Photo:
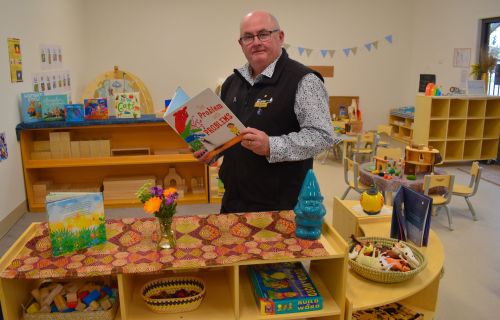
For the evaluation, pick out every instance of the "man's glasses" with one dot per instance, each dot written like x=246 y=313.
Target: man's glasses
x=263 y=36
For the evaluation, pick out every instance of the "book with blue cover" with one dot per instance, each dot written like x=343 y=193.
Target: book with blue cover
x=53 y=107
x=31 y=106
x=286 y=287
x=76 y=220
x=411 y=216
x=74 y=112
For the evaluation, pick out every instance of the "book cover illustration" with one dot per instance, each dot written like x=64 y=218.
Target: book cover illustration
x=31 y=106
x=73 y=112
x=96 y=109
x=204 y=121
x=411 y=216
x=53 y=107
x=127 y=105
x=284 y=288
x=76 y=221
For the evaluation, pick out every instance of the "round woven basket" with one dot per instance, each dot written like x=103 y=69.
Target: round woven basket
x=171 y=285
x=387 y=276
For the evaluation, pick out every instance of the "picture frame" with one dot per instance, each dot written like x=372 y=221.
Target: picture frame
x=476 y=88
x=461 y=57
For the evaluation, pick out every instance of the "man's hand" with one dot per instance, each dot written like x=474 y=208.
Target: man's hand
x=256 y=141
x=202 y=156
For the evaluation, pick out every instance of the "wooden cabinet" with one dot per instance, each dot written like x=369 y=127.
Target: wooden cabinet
x=151 y=134
x=229 y=292
x=461 y=128
x=419 y=293
x=402 y=126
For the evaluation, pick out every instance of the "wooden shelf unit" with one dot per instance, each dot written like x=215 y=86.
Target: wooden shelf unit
x=402 y=127
x=462 y=128
x=155 y=135
x=229 y=293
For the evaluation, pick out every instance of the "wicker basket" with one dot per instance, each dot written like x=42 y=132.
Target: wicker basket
x=87 y=315
x=387 y=276
x=171 y=285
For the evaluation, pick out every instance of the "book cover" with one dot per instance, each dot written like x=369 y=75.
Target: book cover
x=204 y=121
x=31 y=106
x=73 y=112
x=127 y=105
x=53 y=107
x=286 y=287
x=95 y=109
x=411 y=218
x=76 y=221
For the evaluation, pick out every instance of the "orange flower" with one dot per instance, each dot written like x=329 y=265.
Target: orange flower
x=169 y=191
x=152 y=205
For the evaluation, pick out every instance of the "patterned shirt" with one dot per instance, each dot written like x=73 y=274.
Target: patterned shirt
x=313 y=115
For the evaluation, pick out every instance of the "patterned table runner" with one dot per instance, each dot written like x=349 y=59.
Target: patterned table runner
x=203 y=240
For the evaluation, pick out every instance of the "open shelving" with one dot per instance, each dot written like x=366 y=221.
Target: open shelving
x=460 y=127
x=402 y=126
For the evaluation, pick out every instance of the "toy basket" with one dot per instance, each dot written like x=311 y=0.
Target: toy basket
x=387 y=276
x=170 y=286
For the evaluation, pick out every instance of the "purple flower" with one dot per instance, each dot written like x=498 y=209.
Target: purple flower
x=169 y=201
x=156 y=192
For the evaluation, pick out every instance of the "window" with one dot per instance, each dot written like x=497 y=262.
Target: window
x=490 y=45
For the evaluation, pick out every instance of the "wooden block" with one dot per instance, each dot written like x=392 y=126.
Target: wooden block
x=130 y=152
x=55 y=147
x=65 y=148
x=43 y=145
x=80 y=306
x=36 y=294
x=105 y=303
x=40 y=190
x=84 y=149
x=75 y=149
x=41 y=155
x=105 y=148
x=60 y=303
x=50 y=297
x=94 y=148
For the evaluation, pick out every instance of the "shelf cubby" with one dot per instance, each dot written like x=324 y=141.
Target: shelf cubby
x=454 y=150
x=491 y=128
x=474 y=129
x=472 y=149
x=476 y=109
x=493 y=108
x=439 y=145
x=458 y=108
x=438 y=129
x=456 y=129
x=489 y=149
x=440 y=108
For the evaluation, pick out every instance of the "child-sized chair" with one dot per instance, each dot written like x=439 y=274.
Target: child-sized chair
x=351 y=168
x=440 y=200
x=470 y=190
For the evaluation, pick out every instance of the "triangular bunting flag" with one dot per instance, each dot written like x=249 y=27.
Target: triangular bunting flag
x=368 y=46
x=331 y=52
x=375 y=44
x=346 y=51
x=354 y=50
x=286 y=46
x=323 y=52
x=308 y=52
x=301 y=50
x=388 y=38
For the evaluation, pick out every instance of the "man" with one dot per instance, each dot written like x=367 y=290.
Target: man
x=284 y=106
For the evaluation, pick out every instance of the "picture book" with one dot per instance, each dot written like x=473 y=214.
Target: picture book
x=31 y=106
x=53 y=107
x=127 y=105
x=73 y=112
x=204 y=121
x=76 y=221
x=284 y=288
x=96 y=109
x=411 y=216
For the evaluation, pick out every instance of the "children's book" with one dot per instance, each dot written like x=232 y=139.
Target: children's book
x=204 y=121
x=127 y=105
x=284 y=288
x=96 y=109
x=73 y=112
x=411 y=216
x=53 y=107
x=31 y=106
x=76 y=220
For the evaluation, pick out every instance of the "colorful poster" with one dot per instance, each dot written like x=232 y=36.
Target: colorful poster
x=15 y=60
x=4 y=154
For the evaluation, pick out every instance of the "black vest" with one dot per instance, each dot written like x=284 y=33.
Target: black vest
x=251 y=182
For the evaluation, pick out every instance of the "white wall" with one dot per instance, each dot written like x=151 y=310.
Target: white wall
x=34 y=22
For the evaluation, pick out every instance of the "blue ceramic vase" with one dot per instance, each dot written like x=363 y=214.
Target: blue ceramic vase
x=309 y=210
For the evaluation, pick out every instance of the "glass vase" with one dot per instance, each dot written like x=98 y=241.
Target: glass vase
x=166 y=239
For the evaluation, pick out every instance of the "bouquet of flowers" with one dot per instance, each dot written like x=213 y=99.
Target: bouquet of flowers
x=161 y=203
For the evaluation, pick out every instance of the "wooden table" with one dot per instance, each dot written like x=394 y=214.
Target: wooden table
x=419 y=293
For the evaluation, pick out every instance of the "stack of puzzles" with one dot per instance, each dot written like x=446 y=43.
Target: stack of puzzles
x=125 y=187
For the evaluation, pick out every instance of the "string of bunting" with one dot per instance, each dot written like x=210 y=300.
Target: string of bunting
x=331 y=52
